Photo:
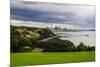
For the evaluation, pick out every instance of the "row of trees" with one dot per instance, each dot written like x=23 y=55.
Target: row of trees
x=54 y=45
x=57 y=45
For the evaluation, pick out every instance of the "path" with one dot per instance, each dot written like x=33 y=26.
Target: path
x=48 y=38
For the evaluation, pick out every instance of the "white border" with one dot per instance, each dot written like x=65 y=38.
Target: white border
x=90 y=2
x=5 y=33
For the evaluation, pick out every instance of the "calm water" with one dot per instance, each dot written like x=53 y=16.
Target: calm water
x=87 y=37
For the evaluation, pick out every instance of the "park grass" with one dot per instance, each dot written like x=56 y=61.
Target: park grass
x=40 y=58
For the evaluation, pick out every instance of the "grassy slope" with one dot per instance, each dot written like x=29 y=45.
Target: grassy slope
x=20 y=59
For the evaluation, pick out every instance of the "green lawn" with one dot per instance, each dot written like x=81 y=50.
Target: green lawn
x=22 y=59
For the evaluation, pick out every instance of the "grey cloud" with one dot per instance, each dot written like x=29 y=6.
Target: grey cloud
x=53 y=13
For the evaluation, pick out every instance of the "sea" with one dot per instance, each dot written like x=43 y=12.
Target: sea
x=87 y=37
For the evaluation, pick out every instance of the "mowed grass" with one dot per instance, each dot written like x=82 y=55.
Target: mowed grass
x=24 y=59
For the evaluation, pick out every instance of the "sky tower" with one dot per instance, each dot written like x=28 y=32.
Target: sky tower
x=51 y=26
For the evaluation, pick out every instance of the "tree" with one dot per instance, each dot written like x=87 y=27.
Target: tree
x=81 y=47
x=92 y=48
x=56 y=45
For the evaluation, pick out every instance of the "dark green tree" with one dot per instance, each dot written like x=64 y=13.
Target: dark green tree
x=81 y=47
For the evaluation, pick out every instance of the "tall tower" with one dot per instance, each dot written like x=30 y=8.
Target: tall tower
x=51 y=26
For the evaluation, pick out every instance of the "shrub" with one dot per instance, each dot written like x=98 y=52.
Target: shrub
x=56 y=45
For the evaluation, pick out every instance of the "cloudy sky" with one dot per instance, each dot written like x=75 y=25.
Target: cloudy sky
x=42 y=14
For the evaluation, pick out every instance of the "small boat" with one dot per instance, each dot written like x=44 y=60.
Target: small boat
x=86 y=35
